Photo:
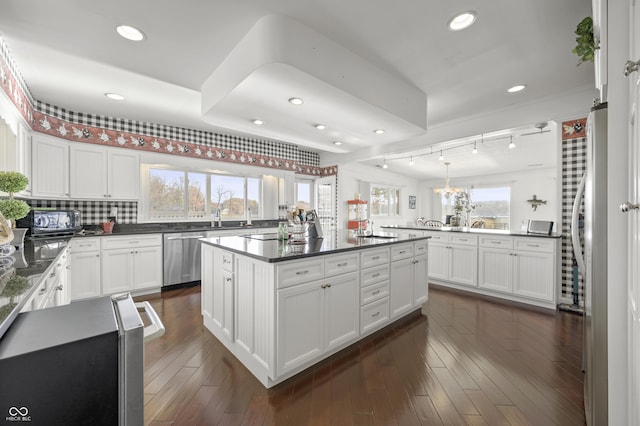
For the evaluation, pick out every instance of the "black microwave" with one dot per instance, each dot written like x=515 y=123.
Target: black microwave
x=43 y=222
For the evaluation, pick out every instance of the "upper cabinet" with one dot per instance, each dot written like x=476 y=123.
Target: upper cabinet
x=599 y=8
x=50 y=172
x=84 y=172
x=103 y=174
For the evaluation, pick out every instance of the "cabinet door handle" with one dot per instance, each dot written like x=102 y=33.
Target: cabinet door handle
x=227 y=279
x=134 y=242
x=376 y=314
x=533 y=245
x=462 y=239
x=377 y=274
x=97 y=255
x=375 y=258
x=402 y=252
x=420 y=248
x=342 y=264
x=42 y=291
x=375 y=292
x=59 y=288
x=306 y=271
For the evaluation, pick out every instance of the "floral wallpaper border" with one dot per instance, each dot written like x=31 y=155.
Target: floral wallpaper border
x=47 y=124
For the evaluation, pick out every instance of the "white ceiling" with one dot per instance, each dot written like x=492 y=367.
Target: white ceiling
x=69 y=55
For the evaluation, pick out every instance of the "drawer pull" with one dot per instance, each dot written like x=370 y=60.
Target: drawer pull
x=306 y=271
x=533 y=245
x=134 y=242
x=375 y=258
x=377 y=274
x=84 y=245
x=227 y=279
x=42 y=291
x=420 y=248
x=59 y=288
x=402 y=252
x=375 y=292
x=496 y=242
x=376 y=314
x=342 y=264
x=226 y=261
x=463 y=239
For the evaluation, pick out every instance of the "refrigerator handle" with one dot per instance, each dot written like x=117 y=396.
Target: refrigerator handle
x=575 y=227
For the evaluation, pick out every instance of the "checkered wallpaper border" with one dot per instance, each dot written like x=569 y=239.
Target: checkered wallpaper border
x=574 y=160
x=80 y=127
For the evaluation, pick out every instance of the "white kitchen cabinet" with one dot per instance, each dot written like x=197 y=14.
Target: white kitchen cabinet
x=217 y=298
x=84 y=268
x=50 y=167
x=317 y=317
x=51 y=286
x=103 y=174
x=453 y=258
x=518 y=266
x=15 y=151
x=131 y=263
x=409 y=278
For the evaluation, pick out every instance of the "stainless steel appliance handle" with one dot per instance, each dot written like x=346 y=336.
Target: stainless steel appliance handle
x=575 y=228
x=156 y=328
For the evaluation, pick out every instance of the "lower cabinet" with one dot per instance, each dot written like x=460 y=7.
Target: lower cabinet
x=409 y=277
x=316 y=317
x=52 y=287
x=84 y=268
x=131 y=263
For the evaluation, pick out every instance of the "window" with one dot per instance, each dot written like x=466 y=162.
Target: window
x=493 y=206
x=187 y=195
x=384 y=201
x=303 y=194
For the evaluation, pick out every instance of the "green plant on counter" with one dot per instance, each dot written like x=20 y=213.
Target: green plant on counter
x=5 y=310
x=586 y=45
x=15 y=286
x=12 y=182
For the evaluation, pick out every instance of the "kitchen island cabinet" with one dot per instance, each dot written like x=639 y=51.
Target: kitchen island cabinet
x=280 y=308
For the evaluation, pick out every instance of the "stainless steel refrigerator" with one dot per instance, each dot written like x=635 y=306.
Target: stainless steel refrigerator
x=592 y=263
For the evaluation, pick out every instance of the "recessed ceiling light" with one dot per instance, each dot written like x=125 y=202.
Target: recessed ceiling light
x=114 y=96
x=337 y=143
x=462 y=21
x=258 y=122
x=296 y=101
x=320 y=126
x=130 y=33
x=378 y=131
x=517 y=88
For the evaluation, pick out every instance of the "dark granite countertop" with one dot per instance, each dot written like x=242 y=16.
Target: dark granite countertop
x=472 y=231
x=30 y=263
x=272 y=250
x=162 y=228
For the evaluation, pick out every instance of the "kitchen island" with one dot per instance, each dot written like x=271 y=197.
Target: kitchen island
x=281 y=307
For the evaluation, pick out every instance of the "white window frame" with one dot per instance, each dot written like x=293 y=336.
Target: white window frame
x=397 y=213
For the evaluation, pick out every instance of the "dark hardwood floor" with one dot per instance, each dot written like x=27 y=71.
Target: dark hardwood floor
x=465 y=360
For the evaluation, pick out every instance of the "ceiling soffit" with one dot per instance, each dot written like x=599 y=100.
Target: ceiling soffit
x=280 y=58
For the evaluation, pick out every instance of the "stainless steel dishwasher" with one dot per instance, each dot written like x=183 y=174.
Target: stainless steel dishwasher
x=181 y=257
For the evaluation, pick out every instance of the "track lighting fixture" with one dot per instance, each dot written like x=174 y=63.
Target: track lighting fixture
x=441 y=158
x=511 y=144
x=411 y=161
x=475 y=148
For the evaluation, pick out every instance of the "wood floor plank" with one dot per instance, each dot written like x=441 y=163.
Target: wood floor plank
x=465 y=360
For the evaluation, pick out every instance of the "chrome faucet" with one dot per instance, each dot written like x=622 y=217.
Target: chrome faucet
x=219 y=221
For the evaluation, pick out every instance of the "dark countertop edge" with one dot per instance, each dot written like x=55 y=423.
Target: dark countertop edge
x=136 y=231
x=385 y=242
x=496 y=232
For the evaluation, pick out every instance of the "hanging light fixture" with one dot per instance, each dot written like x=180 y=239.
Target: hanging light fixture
x=411 y=161
x=511 y=144
x=384 y=163
x=441 y=158
x=447 y=190
x=475 y=148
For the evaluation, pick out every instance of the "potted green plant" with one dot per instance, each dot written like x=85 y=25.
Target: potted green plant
x=586 y=45
x=12 y=209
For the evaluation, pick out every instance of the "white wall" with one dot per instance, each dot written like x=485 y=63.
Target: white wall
x=541 y=182
x=353 y=178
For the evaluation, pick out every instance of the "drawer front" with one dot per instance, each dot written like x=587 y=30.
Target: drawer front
x=466 y=240
x=227 y=261
x=374 y=292
x=374 y=257
x=438 y=237
x=401 y=251
x=374 y=315
x=77 y=245
x=421 y=248
x=298 y=272
x=534 y=244
x=373 y=275
x=341 y=264
x=496 y=242
x=109 y=243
